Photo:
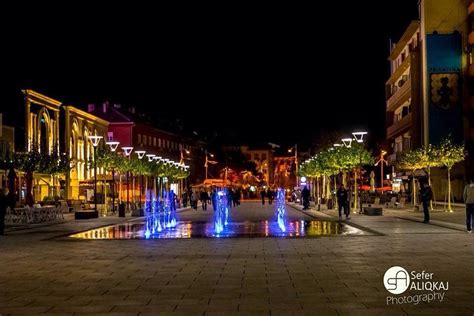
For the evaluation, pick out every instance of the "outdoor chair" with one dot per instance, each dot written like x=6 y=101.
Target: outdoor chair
x=401 y=204
x=392 y=202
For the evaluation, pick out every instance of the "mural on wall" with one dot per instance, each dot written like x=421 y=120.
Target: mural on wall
x=444 y=90
x=444 y=53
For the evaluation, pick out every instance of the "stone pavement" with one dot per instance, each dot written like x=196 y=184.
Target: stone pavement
x=43 y=272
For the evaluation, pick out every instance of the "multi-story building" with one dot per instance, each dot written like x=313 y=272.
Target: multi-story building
x=263 y=159
x=79 y=125
x=126 y=127
x=428 y=95
x=404 y=107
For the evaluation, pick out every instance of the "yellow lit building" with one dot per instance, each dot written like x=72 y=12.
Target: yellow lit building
x=79 y=125
x=42 y=117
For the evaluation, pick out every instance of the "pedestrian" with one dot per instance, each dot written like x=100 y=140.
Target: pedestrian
x=270 y=195
x=426 y=196
x=204 y=199
x=342 y=196
x=305 y=195
x=214 y=199
x=3 y=209
x=469 y=200
x=235 y=198
x=194 y=199
x=184 y=197
x=262 y=195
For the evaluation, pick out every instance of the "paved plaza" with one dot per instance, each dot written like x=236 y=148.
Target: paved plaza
x=44 y=271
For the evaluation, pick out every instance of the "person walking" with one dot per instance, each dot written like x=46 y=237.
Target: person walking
x=3 y=209
x=204 y=199
x=194 y=199
x=262 y=195
x=270 y=195
x=426 y=196
x=214 y=199
x=342 y=196
x=305 y=196
x=184 y=197
x=469 y=200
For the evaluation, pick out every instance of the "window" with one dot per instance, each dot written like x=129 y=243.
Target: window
x=144 y=139
x=159 y=142
x=139 y=138
x=256 y=157
x=264 y=156
x=154 y=141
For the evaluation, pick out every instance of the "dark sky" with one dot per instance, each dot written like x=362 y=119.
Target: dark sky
x=226 y=75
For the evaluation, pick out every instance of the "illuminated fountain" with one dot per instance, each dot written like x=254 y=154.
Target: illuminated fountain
x=280 y=210
x=221 y=213
x=160 y=215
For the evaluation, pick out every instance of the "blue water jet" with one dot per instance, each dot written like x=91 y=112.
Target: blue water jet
x=280 y=209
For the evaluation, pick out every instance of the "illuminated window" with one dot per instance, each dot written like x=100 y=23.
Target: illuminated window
x=159 y=142
x=139 y=138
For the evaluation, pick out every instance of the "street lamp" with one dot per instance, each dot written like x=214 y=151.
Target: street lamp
x=381 y=161
x=207 y=162
x=140 y=154
x=296 y=161
x=359 y=137
x=95 y=139
x=113 y=147
x=127 y=151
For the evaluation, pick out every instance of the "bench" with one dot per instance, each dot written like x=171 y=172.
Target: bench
x=373 y=211
x=86 y=214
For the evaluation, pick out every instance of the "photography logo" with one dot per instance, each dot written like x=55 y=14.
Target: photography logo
x=396 y=280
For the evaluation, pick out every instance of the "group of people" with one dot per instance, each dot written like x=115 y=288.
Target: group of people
x=269 y=194
x=194 y=196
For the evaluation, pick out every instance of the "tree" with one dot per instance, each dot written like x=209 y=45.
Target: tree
x=430 y=157
x=449 y=154
x=412 y=160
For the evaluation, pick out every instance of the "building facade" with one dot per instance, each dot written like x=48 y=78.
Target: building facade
x=263 y=159
x=429 y=92
x=79 y=125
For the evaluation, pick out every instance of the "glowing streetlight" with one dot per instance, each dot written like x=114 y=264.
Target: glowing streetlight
x=127 y=151
x=95 y=140
x=113 y=147
x=359 y=138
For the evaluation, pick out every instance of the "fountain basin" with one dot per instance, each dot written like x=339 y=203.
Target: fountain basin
x=188 y=229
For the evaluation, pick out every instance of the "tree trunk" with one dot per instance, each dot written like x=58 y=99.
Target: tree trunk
x=429 y=183
x=449 y=190
x=414 y=190
x=355 y=190
x=318 y=200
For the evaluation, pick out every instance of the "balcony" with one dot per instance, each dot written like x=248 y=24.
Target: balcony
x=400 y=96
x=399 y=126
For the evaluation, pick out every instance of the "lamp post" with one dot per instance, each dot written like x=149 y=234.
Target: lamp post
x=113 y=147
x=140 y=154
x=95 y=139
x=381 y=161
x=359 y=137
x=296 y=162
x=208 y=161
x=127 y=151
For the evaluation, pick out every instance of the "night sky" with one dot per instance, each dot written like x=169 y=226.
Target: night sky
x=222 y=77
